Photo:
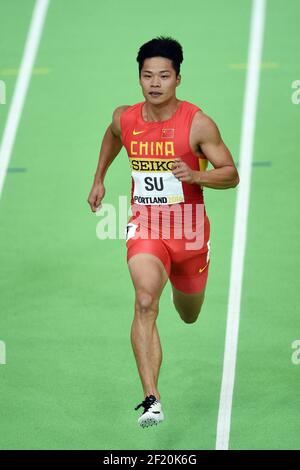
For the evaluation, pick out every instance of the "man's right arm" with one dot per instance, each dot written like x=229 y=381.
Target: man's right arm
x=110 y=147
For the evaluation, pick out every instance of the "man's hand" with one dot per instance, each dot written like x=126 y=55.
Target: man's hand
x=183 y=172
x=96 y=195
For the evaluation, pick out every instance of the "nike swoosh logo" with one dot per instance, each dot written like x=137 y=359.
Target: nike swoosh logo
x=137 y=132
x=202 y=269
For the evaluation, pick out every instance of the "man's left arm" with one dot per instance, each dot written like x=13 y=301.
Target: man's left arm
x=206 y=135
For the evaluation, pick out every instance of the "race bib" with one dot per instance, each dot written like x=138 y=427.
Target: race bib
x=156 y=188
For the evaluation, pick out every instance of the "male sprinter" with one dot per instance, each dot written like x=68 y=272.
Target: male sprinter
x=169 y=143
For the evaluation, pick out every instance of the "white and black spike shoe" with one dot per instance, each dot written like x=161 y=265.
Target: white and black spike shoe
x=152 y=414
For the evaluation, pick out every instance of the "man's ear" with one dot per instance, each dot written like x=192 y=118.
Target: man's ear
x=178 y=80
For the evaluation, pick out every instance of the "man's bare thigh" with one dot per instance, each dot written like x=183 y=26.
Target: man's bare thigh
x=147 y=272
x=188 y=302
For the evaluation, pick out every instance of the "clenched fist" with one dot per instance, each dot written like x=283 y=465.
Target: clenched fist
x=96 y=195
x=183 y=172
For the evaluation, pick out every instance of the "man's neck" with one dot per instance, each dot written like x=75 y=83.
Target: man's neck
x=160 y=112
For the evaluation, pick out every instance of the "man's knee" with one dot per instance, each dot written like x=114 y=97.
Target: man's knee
x=189 y=315
x=145 y=301
x=188 y=309
x=190 y=319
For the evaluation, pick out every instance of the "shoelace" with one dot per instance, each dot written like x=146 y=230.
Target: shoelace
x=147 y=402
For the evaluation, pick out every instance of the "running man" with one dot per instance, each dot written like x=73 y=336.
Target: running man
x=169 y=143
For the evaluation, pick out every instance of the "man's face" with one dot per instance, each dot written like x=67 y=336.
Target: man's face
x=158 y=80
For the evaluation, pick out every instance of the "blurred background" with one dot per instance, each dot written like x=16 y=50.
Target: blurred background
x=68 y=378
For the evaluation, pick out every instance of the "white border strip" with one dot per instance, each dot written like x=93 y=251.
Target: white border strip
x=241 y=218
x=15 y=111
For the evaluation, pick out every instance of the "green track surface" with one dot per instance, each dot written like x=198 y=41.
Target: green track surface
x=66 y=301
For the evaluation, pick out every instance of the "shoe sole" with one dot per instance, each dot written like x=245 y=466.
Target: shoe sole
x=146 y=423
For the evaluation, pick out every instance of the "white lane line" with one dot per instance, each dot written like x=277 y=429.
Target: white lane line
x=18 y=99
x=240 y=226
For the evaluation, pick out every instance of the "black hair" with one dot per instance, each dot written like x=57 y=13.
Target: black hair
x=161 y=46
